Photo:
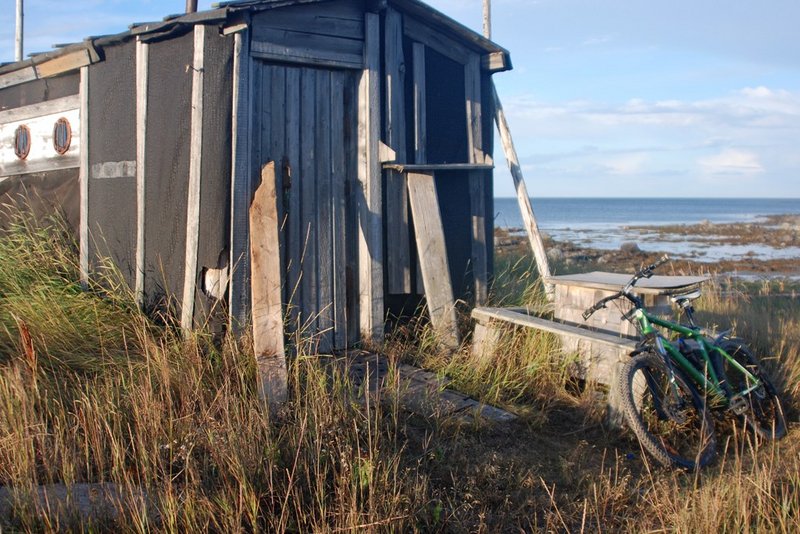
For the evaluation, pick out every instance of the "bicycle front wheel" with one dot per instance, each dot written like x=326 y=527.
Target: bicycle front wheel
x=668 y=416
x=764 y=413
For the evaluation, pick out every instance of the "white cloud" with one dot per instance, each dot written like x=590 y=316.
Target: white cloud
x=731 y=162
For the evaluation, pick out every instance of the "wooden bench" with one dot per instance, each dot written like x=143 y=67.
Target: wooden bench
x=603 y=342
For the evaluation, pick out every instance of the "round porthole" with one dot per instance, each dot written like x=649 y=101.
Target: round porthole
x=22 y=141
x=62 y=135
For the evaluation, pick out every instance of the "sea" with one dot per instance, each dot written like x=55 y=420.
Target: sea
x=605 y=223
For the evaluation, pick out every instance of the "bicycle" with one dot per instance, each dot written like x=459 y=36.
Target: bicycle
x=668 y=388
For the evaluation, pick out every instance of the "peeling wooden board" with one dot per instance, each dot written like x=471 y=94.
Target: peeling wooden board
x=64 y=63
x=429 y=235
x=265 y=283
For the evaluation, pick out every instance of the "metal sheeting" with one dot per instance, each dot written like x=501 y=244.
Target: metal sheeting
x=215 y=200
x=169 y=95
x=38 y=91
x=112 y=140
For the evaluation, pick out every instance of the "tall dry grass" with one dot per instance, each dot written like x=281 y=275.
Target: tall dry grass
x=92 y=391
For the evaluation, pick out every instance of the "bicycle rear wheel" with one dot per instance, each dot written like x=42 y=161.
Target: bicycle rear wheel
x=669 y=418
x=764 y=413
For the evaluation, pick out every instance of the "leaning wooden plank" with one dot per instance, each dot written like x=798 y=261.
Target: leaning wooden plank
x=398 y=255
x=195 y=169
x=265 y=286
x=370 y=241
x=534 y=236
x=433 y=256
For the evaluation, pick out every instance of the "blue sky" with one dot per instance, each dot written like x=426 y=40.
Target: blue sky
x=607 y=97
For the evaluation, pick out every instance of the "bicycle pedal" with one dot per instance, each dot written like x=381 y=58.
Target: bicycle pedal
x=738 y=405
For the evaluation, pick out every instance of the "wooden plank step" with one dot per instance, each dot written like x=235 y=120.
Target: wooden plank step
x=422 y=392
x=485 y=315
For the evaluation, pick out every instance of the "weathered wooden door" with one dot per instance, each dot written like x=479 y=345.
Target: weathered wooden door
x=306 y=122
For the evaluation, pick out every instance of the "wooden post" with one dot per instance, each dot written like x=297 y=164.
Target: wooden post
x=84 y=178
x=480 y=267
x=429 y=234
x=195 y=170
x=370 y=241
x=524 y=200
x=142 y=70
x=265 y=285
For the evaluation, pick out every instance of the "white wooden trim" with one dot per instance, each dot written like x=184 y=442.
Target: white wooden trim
x=58 y=105
x=142 y=82
x=83 y=233
x=195 y=175
x=370 y=238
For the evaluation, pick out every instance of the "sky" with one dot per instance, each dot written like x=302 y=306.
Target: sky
x=615 y=98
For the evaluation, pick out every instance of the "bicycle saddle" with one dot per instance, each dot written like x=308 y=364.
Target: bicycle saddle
x=684 y=298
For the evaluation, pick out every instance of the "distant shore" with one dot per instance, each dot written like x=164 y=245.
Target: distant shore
x=780 y=233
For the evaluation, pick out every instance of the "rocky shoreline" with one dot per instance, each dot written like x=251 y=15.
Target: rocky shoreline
x=780 y=232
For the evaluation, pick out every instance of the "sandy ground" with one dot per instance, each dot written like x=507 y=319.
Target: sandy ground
x=779 y=232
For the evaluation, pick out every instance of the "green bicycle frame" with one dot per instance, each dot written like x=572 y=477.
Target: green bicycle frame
x=710 y=382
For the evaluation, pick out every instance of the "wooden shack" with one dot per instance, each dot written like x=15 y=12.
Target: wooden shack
x=377 y=114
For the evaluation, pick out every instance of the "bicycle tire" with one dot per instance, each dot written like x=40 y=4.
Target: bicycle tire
x=677 y=432
x=764 y=412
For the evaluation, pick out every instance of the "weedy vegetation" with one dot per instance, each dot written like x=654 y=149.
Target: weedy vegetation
x=94 y=391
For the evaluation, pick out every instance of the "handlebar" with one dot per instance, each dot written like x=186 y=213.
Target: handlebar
x=644 y=272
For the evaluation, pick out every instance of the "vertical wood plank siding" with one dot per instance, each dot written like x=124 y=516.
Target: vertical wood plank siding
x=291 y=176
x=308 y=189
x=339 y=226
x=398 y=255
x=324 y=223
